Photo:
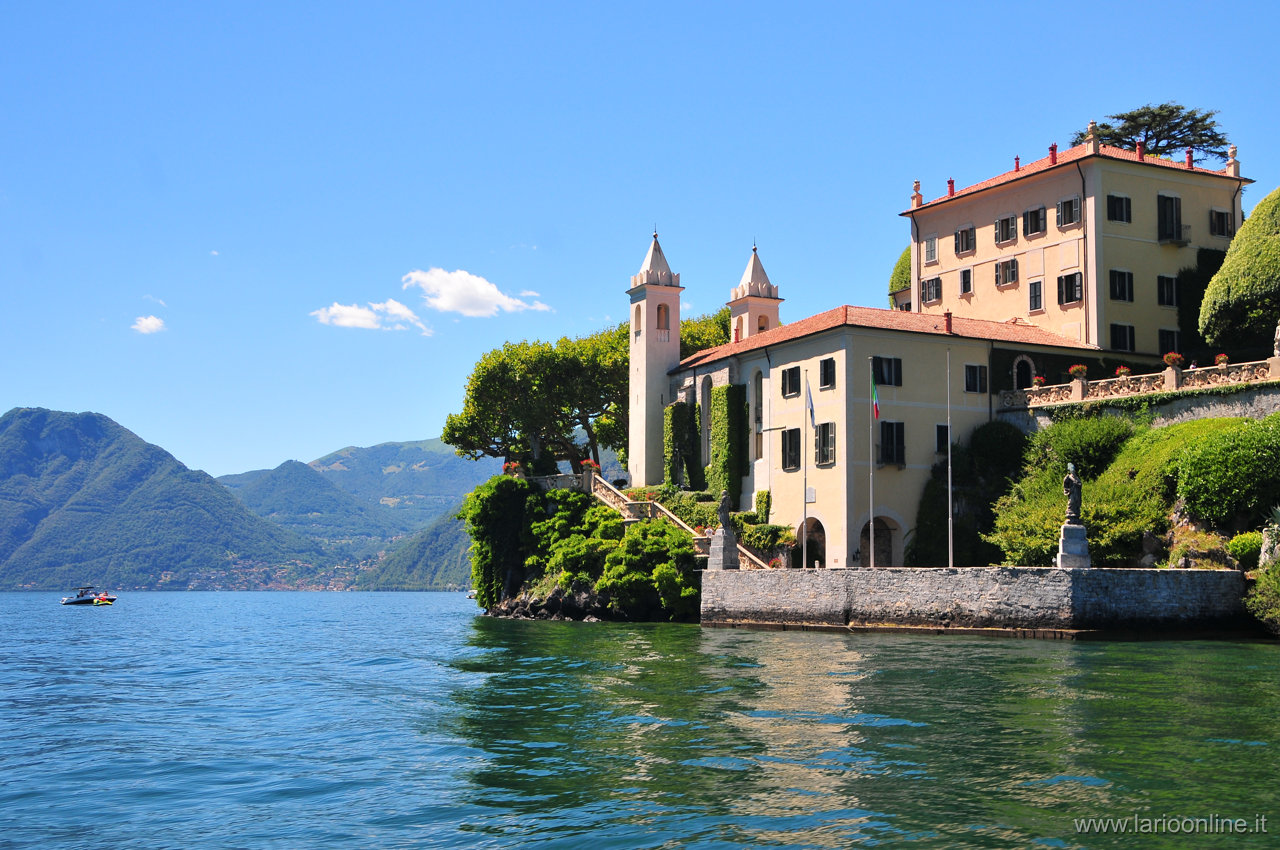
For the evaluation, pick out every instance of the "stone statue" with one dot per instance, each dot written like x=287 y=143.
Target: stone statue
x=726 y=523
x=1275 y=348
x=1071 y=489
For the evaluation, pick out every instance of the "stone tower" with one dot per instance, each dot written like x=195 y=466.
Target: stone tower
x=655 y=351
x=753 y=303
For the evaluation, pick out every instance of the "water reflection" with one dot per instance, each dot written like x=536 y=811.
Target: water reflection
x=641 y=735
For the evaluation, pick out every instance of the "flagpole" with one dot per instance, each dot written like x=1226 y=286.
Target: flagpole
x=871 y=461
x=804 y=477
x=951 y=514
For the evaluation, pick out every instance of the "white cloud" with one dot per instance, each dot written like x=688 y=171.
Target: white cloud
x=148 y=324
x=389 y=315
x=462 y=292
x=155 y=299
x=213 y=253
x=529 y=293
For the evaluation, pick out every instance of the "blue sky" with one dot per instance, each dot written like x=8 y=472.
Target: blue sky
x=251 y=232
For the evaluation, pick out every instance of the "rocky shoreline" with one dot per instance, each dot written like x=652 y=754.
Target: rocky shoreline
x=581 y=605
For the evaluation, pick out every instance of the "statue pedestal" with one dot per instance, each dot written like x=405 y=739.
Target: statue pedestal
x=1073 y=547
x=724 y=552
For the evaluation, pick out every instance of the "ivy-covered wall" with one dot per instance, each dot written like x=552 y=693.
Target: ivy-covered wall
x=681 y=446
x=728 y=440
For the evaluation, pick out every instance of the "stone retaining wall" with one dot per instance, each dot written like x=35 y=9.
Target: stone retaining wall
x=1010 y=598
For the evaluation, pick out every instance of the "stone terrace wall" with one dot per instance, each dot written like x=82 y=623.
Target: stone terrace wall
x=1016 y=598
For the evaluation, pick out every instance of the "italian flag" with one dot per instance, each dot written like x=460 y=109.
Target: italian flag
x=875 y=397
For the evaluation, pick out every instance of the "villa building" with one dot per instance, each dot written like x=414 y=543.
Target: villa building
x=1085 y=243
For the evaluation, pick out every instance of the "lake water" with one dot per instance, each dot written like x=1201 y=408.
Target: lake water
x=313 y=720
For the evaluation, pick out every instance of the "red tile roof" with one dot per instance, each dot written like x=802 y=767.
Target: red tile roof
x=1067 y=157
x=1016 y=331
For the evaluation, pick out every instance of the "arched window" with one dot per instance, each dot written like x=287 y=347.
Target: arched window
x=664 y=317
x=737 y=329
x=762 y=324
x=635 y=323
x=1022 y=373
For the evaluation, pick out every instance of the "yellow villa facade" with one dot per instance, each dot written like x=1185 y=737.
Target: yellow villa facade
x=1085 y=243
x=843 y=455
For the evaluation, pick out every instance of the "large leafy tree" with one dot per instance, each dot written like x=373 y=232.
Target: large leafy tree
x=538 y=402
x=1242 y=303
x=900 y=278
x=1164 y=129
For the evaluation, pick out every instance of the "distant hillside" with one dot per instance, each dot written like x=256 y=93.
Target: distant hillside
x=299 y=498
x=418 y=481
x=85 y=501
x=436 y=558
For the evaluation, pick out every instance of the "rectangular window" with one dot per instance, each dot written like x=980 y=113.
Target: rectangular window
x=931 y=249
x=893 y=448
x=1221 y=223
x=888 y=371
x=1006 y=272
x=1070 y=289
x=1033 y=222
x=1069 y=211
x=1169 y=218
x=1122 y=337
x=791 y=448
x=931 y=290
x=1036 y=300
x=966 y=281
x=1121 y=285
x=1119 y=208
x=827 y=373
x=966 y=239
x=942 y=440
x=1006 y=229
x=825 y=444
x=1170 y=341
x=1166 y=291
x=975 y=378
x=791 y=382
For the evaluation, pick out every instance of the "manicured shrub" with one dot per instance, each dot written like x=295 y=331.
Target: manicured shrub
x=1234 y=473
x=764 y=502
x=1263 y=601
x=1246 y=548
x=651 y=569
x=728 y=440
x=1243 y=299
x=1088 y=443
x=900 y=278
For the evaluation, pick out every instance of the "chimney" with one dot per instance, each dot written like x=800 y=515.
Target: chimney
x=951 y=187
x=1190 y=162
x=1053 y=154
x=1017 y=164
x=947 y=316
x=1142 y=150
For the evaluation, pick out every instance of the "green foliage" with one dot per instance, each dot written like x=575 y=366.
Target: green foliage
x=1088 y=443
x=764 y=503
x=1128 y=489
x=652 y=569
x=1263 y=601
x=1243 y=299
x=900 y=278
x=1246 y=548
x=701 y=332
x=499 y=515
x=728 y=440
x=1233 y=474
x=766 y=538
x=682 y=450
x=980 y=473
x=1166 y=129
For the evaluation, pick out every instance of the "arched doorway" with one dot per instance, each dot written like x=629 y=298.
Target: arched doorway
x=884 y=544
x=1022 y=373
x=817 y=544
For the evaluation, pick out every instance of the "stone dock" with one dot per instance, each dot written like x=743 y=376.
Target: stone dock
x=1013 y=601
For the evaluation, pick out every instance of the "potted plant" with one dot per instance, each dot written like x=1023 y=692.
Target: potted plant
x=591 y=465
x=1123 y=371
x=1173 y=359
x=1221 y=360
x=1078 y=371
x=1037 y=381
x=512 y=468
